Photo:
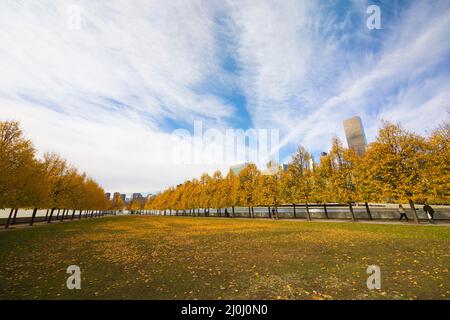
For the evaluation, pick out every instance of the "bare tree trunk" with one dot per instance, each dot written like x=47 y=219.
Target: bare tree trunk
x=368 y=211
x=51 y=215
x=33 y=216
x=325 y=210
x=413 y=208
x=63 y=214
x=307 y=212
x=15 y=216
x=351 y=211
x=232 y=210
x=295 y=213
x=46 y=215
x=73 y=215
x=9 y=219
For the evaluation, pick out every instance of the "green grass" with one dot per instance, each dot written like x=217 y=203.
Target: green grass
x=143 y=257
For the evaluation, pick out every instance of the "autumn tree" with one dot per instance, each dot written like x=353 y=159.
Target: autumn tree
x=396 y=164
x=268 y=189
x=19 y=171
x=230 y=186
x=23 y=182
x=342 y=178
x=437 y=165
x=217 y=190
x=297 y=184
x=248 y=178
x=117 y=203
x=186 y=201
x=27 y=182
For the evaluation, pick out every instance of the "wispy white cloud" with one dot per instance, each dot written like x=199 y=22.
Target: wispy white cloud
x=100 y=95
x=148 y=56
x=305 y=75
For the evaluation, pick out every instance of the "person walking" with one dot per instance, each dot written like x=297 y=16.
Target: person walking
x=402 y=212
x=429 y=211
x=274 y=213
x=226 y=212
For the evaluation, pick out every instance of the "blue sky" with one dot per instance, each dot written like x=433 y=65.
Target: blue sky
x=108 y=95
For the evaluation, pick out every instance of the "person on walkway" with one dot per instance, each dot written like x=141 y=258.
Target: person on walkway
x=402 y=212
x=226 y=212
x=429 y=211
x=274 y=214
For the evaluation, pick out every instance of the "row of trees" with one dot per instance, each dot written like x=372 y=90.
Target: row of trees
x=398 y=166
x=48 y=183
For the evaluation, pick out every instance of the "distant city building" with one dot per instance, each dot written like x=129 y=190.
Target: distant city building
x=108 y=195
x=137 y=196
x=323 y=154
x=117 y=196
x=354 y=132
x=236 y=169
x=285 y=167
x=124 y=197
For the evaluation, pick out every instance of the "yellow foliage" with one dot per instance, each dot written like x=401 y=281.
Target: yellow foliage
x=28 y=182
x=397 y=166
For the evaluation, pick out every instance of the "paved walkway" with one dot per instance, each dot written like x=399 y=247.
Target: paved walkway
x=40 y=223
x=438 y=223
x=445 y=223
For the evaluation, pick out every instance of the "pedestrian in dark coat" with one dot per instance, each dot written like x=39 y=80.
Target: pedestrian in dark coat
x=429 y=211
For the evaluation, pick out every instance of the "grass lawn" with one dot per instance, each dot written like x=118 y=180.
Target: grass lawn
x=144 y=257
